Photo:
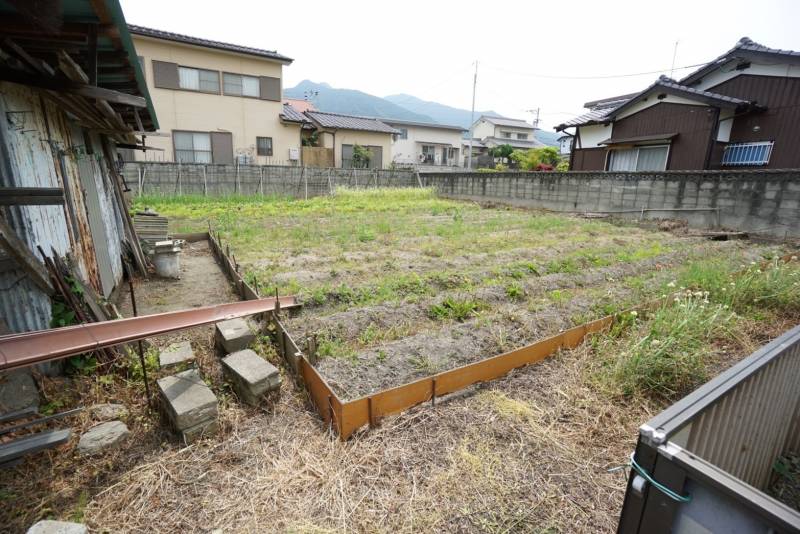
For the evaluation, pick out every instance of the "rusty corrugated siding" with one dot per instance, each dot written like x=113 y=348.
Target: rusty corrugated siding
x=43 y=151
x=747 y=429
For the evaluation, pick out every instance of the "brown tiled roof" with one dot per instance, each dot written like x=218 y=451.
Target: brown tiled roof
x=208 y=43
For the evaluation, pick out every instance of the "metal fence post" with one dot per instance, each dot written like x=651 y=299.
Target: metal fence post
x=305 y=181
x=205 y=182
x=261 y=181
x=236 y=184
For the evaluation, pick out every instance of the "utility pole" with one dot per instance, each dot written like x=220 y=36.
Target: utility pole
x=535 y=112
x=472 y=116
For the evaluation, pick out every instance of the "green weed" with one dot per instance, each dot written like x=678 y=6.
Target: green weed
x=458 y=309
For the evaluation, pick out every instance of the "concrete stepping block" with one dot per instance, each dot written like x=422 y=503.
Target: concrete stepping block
x=100 y=437
x=49 y=526
x=18 y=392
x=176 y=354
x=233 y=335
x=205 y=428
x=187 y=399
x=251 y=375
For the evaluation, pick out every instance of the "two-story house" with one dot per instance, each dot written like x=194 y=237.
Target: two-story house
x=216 y=102
x=489 y=132
x=423 y=143
x=740 y=110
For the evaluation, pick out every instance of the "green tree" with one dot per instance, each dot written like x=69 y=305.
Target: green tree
x=530 y=160
x=501 y=151
x=361 y=156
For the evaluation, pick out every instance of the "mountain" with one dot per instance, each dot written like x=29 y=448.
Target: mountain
x=438 y=112
x=351 y=102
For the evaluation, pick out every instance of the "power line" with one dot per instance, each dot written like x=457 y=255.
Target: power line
x=605 y=77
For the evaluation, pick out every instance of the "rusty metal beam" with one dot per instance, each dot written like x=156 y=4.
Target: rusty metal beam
x=22 y=350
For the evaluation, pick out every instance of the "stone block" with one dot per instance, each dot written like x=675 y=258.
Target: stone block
x=18 y=392
x=187 y=399
x=200 y=430
x=250 y=375
x=48 y=526
x=100 y=437
x=233 y=335
x=176 y=354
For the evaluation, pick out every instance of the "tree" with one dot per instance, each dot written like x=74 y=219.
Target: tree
x=536 y=158
x=501 y=151
x=361 y=156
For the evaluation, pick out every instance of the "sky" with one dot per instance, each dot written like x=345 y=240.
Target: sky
x=553 y=56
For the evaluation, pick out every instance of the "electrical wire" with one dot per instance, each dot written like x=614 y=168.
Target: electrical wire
x=658 y=485
x=603 y=77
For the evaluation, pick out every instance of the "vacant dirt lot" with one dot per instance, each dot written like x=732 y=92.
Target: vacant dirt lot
x=398 y=284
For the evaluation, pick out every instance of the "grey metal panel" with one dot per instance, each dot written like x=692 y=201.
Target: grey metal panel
x=222 y=147
x=165 y=75
x=270 y=88
x=748 y=428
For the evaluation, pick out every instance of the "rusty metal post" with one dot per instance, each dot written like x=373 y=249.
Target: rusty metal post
x=139 y=343
x=433 y=392
x=370 y=417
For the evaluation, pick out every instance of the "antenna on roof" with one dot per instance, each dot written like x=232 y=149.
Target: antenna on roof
x=674 y=55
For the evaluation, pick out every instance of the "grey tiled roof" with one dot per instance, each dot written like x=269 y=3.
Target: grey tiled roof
x=606 y=110
x=292 y=115
x=197 y=41
x=423 y=124
x=516 y=143
x=744 y=47
x=505 y=121
x=349 y=122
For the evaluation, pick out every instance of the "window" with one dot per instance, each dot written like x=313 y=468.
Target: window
x=643 y=158
x=192 y=147
x=239 y=85
x=428 y=154
x=748 y=153
x=507 y=135
x=206 y=81
x=403 y=133
x=522 y=136
x=264 y=146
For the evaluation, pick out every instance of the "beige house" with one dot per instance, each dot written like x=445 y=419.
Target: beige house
x=425 y=144
x=216 y=102
x=342 y=132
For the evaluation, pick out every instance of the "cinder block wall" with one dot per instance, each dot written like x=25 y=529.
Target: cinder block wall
x=766 y=201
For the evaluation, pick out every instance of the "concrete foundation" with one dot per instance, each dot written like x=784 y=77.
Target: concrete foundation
x=101 y=437
x=251 y=375
x=233 y=335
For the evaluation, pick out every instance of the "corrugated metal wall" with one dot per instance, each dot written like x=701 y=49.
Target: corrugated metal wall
x=747 y=429
x=38 y=148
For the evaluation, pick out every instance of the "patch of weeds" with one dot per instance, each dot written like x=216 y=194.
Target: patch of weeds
x=365 y=234
x=370 y=334
x=515 y=291
x=432 y=252
x=642 y=253
x=318 y=296
x=77 y=514
x=423 y=364
x=559 y=296
x=330 y=346
x=563 y=265
x=135 y=366
x=664 y=356
x=381 y=356
x=459 y=309
x=51 y=407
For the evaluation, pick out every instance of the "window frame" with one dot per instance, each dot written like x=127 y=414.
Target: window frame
x=522 y=136
x=403 y=134
x=175 y=149
x=199 y=81
x=241 y=77
x=611 y=153
x=271 y=148
x=770 y=145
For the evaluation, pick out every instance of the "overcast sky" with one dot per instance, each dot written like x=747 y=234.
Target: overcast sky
x=526 y=51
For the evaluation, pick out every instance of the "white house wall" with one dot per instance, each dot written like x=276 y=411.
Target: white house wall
x=590 y=136
x=728 y=71
x=725 y=125
x=407 y=151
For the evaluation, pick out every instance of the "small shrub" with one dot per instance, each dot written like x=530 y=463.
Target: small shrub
x=459 y=309
x=515 y=291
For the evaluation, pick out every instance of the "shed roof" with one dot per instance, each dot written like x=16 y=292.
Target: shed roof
x=35 y=39
x=208 y=43
x=338 y=121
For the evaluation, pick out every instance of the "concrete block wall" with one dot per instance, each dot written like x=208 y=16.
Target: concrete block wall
x=757 y=201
